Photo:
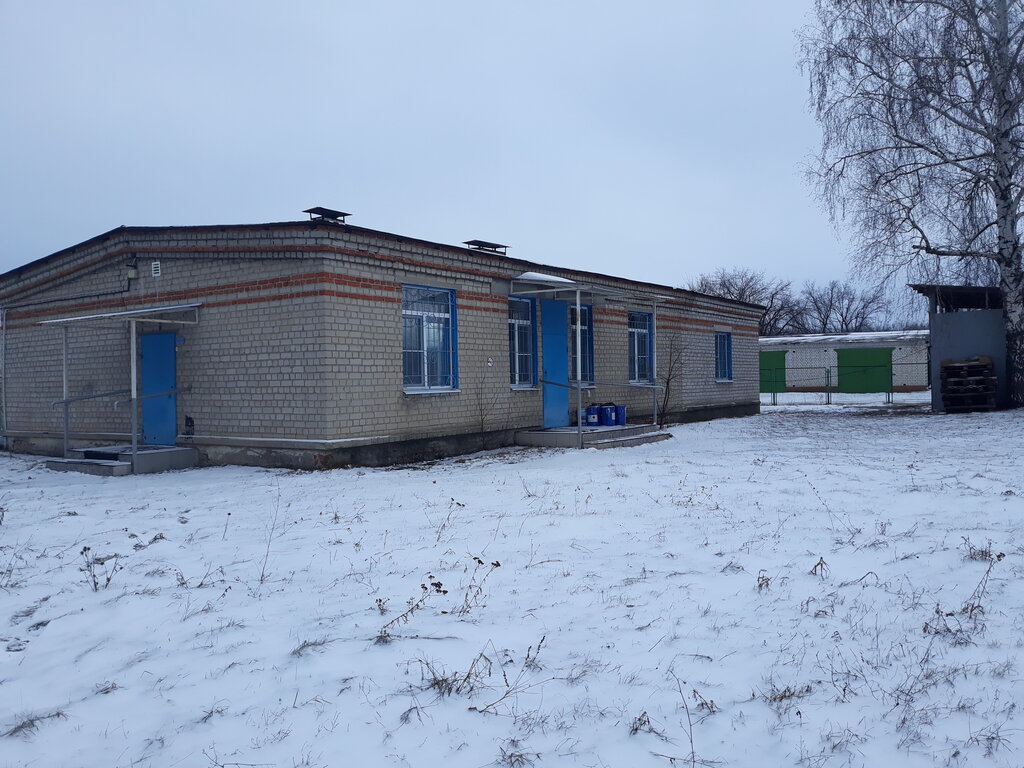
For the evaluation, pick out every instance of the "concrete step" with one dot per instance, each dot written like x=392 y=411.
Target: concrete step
x=606 y=433
x=628 y=442
x=102 y=467
x=150 y=458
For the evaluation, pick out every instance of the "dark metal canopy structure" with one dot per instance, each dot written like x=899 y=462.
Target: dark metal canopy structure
x=952 y=298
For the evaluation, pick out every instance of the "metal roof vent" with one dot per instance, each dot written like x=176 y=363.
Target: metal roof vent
x=483 y=245
x=319 y=213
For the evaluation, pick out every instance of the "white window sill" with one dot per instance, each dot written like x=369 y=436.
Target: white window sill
x=432 y=391
x=524 y=388
x=724 y=381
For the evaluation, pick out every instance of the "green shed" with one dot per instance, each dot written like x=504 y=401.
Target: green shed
x=865 y=370
x=773 y=371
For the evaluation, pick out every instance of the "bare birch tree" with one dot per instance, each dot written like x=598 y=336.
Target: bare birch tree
x=923 y=143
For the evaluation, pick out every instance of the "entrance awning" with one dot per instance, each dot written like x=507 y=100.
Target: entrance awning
x=539 y=283
x=178 y=314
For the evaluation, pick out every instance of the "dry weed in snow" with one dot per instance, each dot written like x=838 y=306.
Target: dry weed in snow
x=816 y=587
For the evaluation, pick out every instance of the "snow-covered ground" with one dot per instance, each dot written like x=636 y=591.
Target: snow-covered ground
x=821 y=587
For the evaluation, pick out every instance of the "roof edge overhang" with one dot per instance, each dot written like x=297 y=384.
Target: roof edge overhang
x=506 y=261
x=957 y=297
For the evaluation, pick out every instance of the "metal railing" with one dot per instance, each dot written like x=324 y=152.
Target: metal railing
x=67 y=411
x=579 y=387
x=67 y=403
x=135 y=415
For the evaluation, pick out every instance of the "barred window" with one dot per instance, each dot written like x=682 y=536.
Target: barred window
x=723 y=356
x=522 y=347
x=429 y=354
x=640 y=358
x=586 y=326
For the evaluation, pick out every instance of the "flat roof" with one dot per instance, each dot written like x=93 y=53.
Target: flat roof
x=349 y=228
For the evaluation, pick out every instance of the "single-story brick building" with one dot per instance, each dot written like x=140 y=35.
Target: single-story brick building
x=318 y=343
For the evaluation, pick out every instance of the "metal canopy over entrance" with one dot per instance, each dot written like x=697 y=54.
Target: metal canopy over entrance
x=169 y=314
x=175 y=314
x=554 y=289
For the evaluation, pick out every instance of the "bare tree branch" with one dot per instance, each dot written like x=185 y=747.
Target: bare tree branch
x=920 y=104
x=782 y=309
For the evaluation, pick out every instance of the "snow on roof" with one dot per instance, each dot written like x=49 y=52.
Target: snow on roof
x=869 y=337
x=540 y=277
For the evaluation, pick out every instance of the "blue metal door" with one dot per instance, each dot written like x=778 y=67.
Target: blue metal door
x=554 y=328
x=159 y=374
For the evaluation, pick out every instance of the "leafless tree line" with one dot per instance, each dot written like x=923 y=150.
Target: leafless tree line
x=833 y=307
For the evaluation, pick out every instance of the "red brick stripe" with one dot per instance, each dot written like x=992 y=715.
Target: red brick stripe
x=680 y=305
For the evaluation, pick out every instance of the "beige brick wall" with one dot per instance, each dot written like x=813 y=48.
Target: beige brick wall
x=300 y=335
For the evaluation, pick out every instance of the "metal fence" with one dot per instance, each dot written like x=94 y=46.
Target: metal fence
x=846 y=384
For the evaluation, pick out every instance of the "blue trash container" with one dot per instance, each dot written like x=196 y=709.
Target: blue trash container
x=608 y=415
x=593 y=415
x=620 y=415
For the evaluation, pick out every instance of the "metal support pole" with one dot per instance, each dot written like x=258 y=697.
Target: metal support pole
x=579 y=373
x=828 y=385
x=3 y=370
x=654 y=362
x=133 y=333
x=66 y=393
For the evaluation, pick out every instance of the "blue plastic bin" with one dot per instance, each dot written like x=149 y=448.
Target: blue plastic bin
x=607 y=415
x=593 y=415
x=620 y=415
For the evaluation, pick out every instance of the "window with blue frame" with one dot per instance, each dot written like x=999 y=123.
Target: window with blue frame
x=586 y=330
x=522 y=342
x=723 y=356
x=641 y=359
x=429 y=343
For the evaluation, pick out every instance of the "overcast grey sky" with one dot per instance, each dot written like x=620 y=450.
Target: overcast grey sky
x=653 y=140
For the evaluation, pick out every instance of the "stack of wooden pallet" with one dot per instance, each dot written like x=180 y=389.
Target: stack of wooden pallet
x=968 y=385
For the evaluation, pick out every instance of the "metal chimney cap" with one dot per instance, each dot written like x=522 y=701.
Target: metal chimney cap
x=319 y=212
x=483 y=245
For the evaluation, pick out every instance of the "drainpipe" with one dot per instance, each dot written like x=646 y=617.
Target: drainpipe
x=65 y=390
x=654 y=362
x=134 y=392
x=3 y=372
x=579 y=372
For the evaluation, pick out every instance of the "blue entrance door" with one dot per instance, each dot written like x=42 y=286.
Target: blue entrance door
x=159 y=374
x=554 y=325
